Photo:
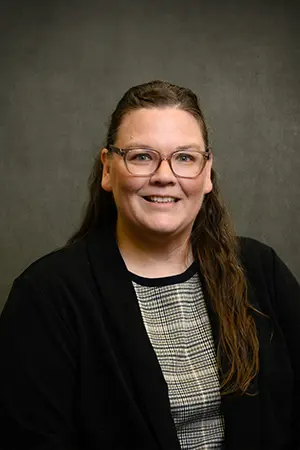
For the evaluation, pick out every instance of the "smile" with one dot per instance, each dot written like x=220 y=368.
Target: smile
x=157 y=199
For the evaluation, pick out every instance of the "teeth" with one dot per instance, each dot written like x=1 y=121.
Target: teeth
x=162 y=199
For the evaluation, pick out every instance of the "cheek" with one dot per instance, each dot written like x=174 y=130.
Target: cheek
x=194 y=189
x=124 y=186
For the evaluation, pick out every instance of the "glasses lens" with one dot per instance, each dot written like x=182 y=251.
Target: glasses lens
x=187 y=163
x=141 y=161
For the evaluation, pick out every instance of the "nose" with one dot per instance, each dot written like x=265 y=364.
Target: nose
x=163 y=174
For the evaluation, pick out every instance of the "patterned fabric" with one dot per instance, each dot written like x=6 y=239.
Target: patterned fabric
x=177 y=323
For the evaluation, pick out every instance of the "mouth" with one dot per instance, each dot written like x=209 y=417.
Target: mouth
x=160 y=199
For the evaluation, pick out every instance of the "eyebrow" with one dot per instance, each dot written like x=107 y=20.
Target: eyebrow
x=180 y=147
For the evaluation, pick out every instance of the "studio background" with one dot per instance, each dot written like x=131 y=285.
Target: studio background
x=65 y=64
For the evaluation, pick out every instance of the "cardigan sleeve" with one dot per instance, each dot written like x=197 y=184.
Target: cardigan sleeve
x=38 y=371
x=287 y=307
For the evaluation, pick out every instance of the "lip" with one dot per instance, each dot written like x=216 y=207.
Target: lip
x=161 y=196
x=161 y=204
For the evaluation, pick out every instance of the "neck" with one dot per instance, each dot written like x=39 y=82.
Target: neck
x=154 y=256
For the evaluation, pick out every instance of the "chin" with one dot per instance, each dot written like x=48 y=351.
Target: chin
x=163 y=229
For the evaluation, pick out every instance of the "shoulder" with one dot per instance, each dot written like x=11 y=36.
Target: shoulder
x=250 y=247
x=264 y=267
x=256 y=255
x=66 y=262
x=73 y=267
x=52 y=285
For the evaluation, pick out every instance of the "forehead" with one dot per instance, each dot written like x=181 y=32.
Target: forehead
x=159 y=127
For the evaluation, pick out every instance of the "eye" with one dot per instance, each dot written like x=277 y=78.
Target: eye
x=140 y=155
x=185 y=157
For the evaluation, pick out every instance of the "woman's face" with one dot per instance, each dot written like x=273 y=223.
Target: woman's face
x=161 y=129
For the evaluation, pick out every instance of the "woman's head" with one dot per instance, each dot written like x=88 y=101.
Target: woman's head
x=163 y=117
x=164 y=202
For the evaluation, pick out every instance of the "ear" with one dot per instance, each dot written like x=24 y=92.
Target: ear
x=207 y=174
x=106 y=171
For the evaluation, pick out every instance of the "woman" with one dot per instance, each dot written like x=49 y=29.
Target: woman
x=155 y=327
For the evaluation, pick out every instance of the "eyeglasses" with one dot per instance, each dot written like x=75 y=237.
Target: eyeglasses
x=144 y=162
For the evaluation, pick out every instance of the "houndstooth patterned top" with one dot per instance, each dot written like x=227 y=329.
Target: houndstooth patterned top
x=176 y=320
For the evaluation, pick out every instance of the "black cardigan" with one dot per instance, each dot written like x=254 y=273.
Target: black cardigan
x=79 y=372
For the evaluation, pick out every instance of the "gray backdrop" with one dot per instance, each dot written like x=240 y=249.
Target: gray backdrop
x=64 y=65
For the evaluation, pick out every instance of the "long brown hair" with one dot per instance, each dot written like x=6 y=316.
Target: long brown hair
x=213 y=239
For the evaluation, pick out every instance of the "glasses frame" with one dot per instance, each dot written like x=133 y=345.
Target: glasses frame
x=123 y=152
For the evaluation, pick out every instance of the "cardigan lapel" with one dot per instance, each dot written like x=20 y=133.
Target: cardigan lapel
x=241 y=413
x=121 y=304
